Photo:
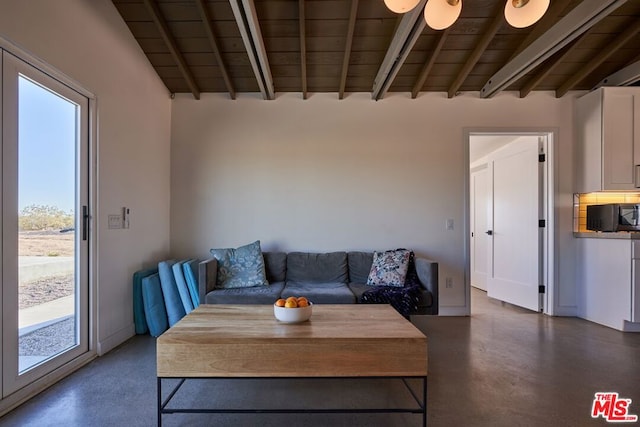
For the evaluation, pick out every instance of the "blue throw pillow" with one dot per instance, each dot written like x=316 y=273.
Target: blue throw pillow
x=172 y=300
x=240 y=268
x=183 y=289
x=190 y=269
x=154 y=309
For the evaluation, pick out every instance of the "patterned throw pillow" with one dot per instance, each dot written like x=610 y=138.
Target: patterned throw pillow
x=240 y=268
x=389 y=268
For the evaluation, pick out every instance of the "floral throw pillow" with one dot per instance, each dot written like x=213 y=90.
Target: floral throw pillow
x=389 y=268
x=240 y=268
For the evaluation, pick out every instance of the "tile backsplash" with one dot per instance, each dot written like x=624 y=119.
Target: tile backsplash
x=581 y=201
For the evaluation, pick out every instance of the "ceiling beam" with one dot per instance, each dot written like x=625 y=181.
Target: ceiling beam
x=347 y=48
x=584 y=16
x=165 y=33
x=208 y=29
x=623 y=77
x=549 y=66
x=622 y=39
x=246 y=17
x=546 y=22
x=428 y=64
x=486 y=38
x=411 y=25
x=303 y=48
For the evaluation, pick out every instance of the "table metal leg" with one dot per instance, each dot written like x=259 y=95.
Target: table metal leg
x=424 y=402
x=159 y=402
x=420 y=401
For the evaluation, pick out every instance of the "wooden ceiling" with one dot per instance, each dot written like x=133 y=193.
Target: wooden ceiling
x=344 y=46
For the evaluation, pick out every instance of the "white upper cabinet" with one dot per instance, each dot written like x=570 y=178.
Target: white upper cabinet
x=608 y=140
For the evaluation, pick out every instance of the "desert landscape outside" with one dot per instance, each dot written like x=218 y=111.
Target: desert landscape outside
x=46 y=240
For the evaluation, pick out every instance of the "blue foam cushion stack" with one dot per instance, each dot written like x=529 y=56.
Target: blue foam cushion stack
x=172 y=300
x=190 y=269
x=183 y=290
x=154 y=309
x=139 y=318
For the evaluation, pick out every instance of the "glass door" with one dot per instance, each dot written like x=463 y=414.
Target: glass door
x=44 y=224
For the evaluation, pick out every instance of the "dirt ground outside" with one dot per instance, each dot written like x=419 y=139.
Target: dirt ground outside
x=45 y=243
x=51 y=243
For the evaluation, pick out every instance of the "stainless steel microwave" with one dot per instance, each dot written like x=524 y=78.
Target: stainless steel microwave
x=613 y=217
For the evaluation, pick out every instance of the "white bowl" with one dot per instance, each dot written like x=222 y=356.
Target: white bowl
x=293 y=315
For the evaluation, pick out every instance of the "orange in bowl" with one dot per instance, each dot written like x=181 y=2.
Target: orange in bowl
x=291 y=303
x=295 y=310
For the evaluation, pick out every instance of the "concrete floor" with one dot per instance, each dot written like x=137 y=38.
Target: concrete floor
x=503 y=366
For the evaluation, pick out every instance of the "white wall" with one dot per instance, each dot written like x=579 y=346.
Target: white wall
x=325 y=174
x=88 y=41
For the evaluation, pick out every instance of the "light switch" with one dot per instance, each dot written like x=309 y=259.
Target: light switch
x=115 y=221
x=449 y=224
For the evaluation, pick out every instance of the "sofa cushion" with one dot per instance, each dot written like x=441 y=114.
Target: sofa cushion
x=359 y=266
x=319 y=268
x=190 y=269
x=275 y=266
x=183 y=288
x=389 y=268
x=241 y=267
x=320 y=293
x=172 y=300
x=359 y=288
x=253 y=295
x=139 y=319
x=154 y=309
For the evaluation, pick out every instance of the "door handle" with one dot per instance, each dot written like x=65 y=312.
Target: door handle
x=489 y=232
x=85 y=222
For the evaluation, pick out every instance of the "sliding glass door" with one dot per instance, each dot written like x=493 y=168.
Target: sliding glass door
x=45 y=250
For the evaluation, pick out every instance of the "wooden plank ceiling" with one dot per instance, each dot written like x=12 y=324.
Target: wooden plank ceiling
x=339 y=46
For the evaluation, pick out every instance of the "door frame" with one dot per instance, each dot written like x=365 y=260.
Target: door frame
x=38 y=385
x=549 y=259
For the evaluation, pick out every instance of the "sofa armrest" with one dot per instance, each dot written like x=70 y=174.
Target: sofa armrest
x=207 y=276
x=428 y=274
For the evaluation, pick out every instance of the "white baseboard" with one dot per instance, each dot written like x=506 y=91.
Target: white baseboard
x=453 y=311
x=111 y=342
x=566 y=311
x=630 y=326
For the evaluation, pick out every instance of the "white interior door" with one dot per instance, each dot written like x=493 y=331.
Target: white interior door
x=514 y=258
x=479 y=239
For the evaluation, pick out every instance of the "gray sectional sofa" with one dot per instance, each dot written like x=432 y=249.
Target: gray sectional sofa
x=324 y=278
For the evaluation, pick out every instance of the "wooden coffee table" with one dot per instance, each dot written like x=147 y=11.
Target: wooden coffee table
x=339 y=341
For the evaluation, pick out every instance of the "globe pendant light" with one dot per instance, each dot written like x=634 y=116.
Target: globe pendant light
x=401 y=6
x=522 y=13
x=441 y=14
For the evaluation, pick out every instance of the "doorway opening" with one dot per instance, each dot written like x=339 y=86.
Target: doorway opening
x=510 y=213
